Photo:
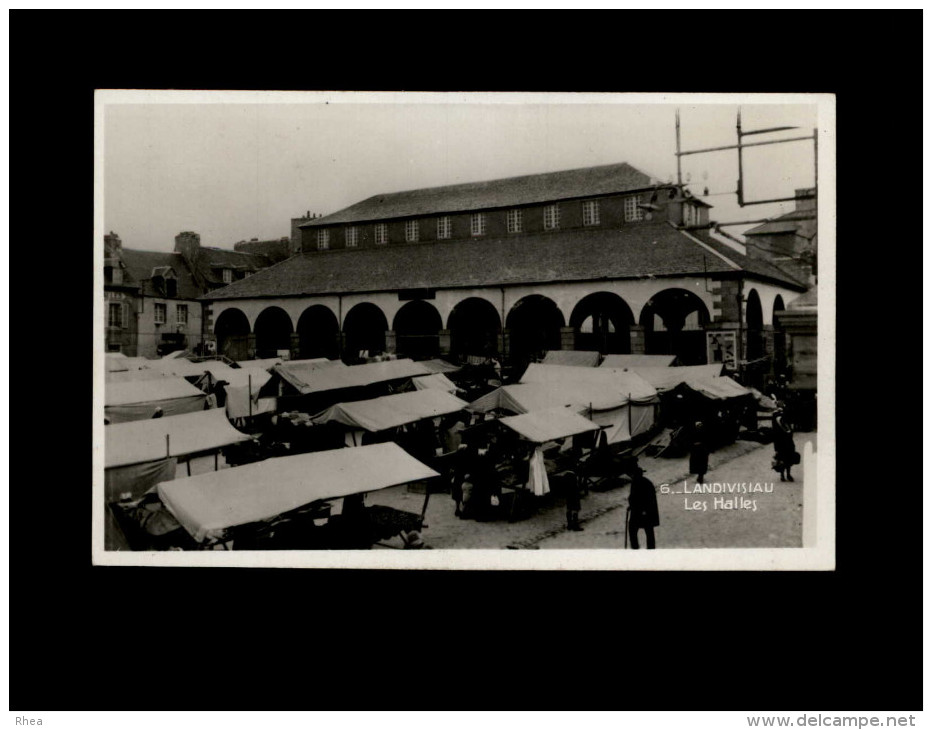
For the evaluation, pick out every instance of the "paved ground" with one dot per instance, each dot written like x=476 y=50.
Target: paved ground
x=776 y=522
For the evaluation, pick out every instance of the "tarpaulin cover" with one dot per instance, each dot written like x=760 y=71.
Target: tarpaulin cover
x=174 y=355
x=117 y=361
x=134 y=480
x=553 y=423
x=243 y=384
x=718 y=388
x=191 y=433
x=391 y=411
x=667 y=378
x=638 y=361
x=309 y=379
x=218 y=370
x=208 y=504
x=440 y=366
x=181 y=368
x=138 y=399
x=613 y=380
x=437 y=381
x=264 y=364
x=126 y=376
x=576 y=358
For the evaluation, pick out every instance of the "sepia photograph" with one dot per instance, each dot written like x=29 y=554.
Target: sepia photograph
x=494 y=331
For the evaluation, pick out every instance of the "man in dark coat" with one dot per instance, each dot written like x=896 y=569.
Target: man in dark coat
x=642 y=506
x=785 y=454
x=699 y=454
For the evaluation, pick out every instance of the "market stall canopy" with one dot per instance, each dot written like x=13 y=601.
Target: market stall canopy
x=181 y=368
x=440 y=366
x=391 y=411
x=117 y=362
x=126 y=376
x=135 y=400
x=208 y=504
x=576 y=358
x=264 y=364
x=437 y=381
x=219 y=370
x=720 y=388
x=667 y=378
x=613 y=380
x=553 y=423
x=174 y=355
x=308 y=379
x=527 y=397
x=638 y=361
x=189 y=433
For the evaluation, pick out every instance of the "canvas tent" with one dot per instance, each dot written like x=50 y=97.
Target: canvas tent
x=437 y=381
x=208 y=504
x=391 y=411
x=308 y=378
x=720 y=388
x=242 y=386
x=577 y=358
x=126 y=376
x=140 y=454
x=264 y=364
x=663 y=378
x=638 y=361
x=547 y=425
x=181 y=368
x=118 y=362
x=439 y=366
x=138 y=400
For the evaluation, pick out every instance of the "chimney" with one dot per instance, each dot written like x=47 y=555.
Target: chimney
x=296 y=232
x=188 y=243
x=112 y=245
x=806 y=203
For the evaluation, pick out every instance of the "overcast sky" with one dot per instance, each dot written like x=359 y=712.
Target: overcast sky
x=234 y=171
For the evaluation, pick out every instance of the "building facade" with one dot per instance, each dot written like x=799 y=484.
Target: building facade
x=599 y=258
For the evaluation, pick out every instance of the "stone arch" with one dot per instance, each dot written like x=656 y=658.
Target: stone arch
x=417 y=328
x=475 y=326
x=534 y=325
x=364 y=328
x=674 y=321
x=779 y=337
x=273 y=332
x=232 y=330
x=318 y=333
x=602 y=321
x=754 y=326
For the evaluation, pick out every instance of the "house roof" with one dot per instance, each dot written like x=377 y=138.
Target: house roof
x=801 y=222
x=275 y=251
x=645 y=250
x=141 y=264
x=512 y=191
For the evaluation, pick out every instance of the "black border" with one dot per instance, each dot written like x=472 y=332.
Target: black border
x=257 y=639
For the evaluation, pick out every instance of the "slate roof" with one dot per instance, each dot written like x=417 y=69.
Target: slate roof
x=139 y=265
x=801 y=222
x=506 y=192
x=651 y=249
x=273 y=251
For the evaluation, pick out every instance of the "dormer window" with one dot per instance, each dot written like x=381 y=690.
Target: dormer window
x=590 y=213
x=690 y=215
x=323 y=240
x=411 y=231
x=171 y=287
x=514 y=221
x=477 y=224
x=632 y=211
x=227 y=276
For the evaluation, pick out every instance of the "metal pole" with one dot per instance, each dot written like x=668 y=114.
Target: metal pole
x=679 y=170
x=249 y=379
x=740 y=191
x=168 y=451
x=742 y=145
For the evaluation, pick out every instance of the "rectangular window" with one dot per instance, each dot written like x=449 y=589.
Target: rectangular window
x=227 y=276
x=590 y=213
x=323 y=240
x=352 y=237
x=632 y=212
x=181 y=313
x=477 y=224
x=115 y=314
x=381 y=233
x=514 y=221
x=411 y=231
x=159 y=313
x=444 y=227
x=552 y=217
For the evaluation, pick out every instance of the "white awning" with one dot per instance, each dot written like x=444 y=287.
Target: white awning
x=391 y=411
x=553 y=423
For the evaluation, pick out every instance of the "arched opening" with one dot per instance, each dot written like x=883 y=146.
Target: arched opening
x=273 y=332
x=779 y=338
x=417 y=329
x=474 y=326
x=364 y=328
x=603 y=322
x=318 y=333
x=232 y=330
x=534 y=324
x=673 y=322
x=754 y=321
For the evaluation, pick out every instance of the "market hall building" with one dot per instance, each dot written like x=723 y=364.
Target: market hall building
x=600 y=258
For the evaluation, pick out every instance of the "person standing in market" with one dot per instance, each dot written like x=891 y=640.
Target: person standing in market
x=785 y=454
x=642 y=508
x=699 y=453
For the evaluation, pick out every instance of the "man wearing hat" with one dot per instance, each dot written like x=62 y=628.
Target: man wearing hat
x=642 y=507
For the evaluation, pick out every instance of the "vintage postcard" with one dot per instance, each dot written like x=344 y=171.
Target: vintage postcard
x=500 y=331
